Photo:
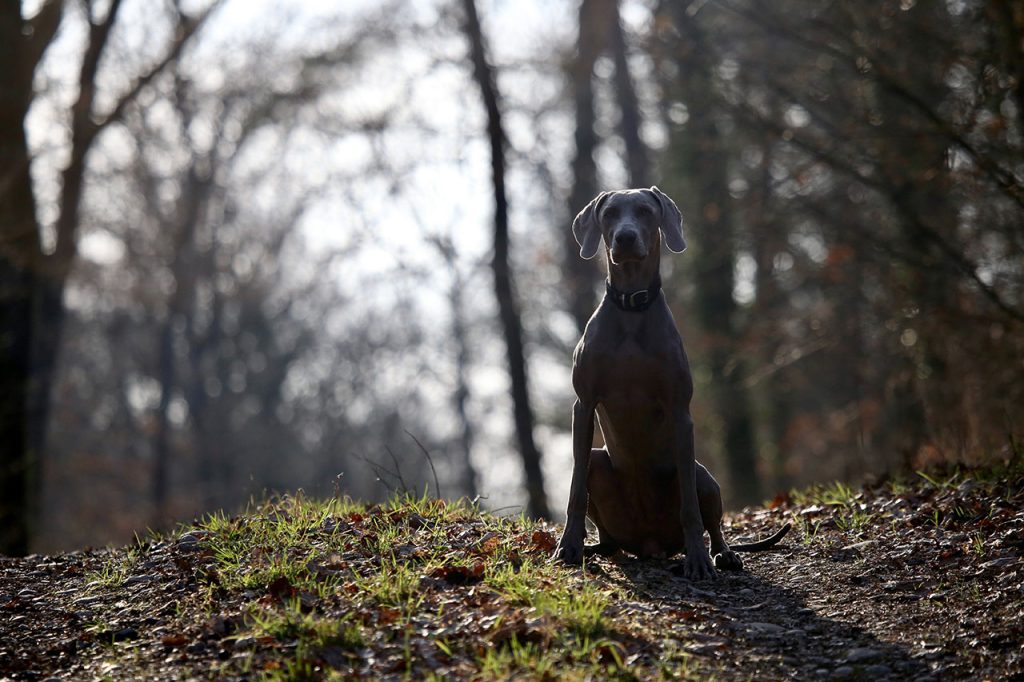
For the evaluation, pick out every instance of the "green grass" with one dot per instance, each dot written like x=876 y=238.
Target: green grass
x=417 y=588
x=940 y=482
x=834 y=494
x=115 y=572
x=978 y=545
x=848 y=513
x=808 y=529
x=341 y=576
x=309 y=633
x=853 y=520
x=536 y=584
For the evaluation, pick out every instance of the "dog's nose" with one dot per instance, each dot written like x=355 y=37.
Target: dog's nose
x=625 y=238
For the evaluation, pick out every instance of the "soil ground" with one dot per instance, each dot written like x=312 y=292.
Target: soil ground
x=916 y=580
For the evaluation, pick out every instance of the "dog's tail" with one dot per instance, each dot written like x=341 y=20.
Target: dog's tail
x=762 y=545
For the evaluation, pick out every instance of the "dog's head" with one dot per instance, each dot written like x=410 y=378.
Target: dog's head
x=628 y=220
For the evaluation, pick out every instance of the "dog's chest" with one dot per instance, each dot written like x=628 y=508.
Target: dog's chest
x=634 y=372
x=634 y=368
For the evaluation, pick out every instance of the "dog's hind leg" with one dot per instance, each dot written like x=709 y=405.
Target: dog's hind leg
x=709 y=496
x=602 y=490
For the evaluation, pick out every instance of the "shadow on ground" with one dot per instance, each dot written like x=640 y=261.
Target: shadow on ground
x=746 y=624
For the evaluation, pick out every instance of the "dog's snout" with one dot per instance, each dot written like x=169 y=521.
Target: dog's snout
x=626 y=238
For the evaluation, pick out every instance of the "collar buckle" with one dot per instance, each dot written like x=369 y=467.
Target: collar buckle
x=634 y=301
x=643 y=294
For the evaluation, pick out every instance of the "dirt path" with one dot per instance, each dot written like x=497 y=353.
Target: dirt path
x=921 y=581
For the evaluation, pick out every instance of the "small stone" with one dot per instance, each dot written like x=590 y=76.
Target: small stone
x=877 y=671
x=125 y=634
x=967 y=486
x=842 y=672
x=190 y=542
x=770 y=629
x=245 y=643
x=1000 y=563
x=861 y=654
x=138 y=579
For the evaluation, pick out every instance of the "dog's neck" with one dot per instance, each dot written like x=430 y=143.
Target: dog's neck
x=634 y=286
x=635 y=275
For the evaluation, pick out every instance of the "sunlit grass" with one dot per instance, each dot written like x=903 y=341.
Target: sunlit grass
x=847 y=513
x=834 y=494
x=388 y=558
x=114 y=572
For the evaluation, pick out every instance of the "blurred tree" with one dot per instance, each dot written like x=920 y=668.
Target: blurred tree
x=29 y=271
x=891 y=134
x=247 y=368
x=704 y=154
x=850 y=174
x=580 y=275
x=600 y=31
x=630 y=117
x=462 y=351
x=22 y=44
x=503 y=284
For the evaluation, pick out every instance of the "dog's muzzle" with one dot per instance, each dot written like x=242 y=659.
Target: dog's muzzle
x=627 y=245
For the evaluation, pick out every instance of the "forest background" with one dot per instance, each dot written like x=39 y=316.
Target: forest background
x=253 y=246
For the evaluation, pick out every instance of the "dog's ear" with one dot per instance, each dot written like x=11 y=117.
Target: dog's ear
x=671 y=222
x=586 y=229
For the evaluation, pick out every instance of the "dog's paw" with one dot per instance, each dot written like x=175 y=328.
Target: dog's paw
x=698 y=566
x=728 y=561
x=568 y=552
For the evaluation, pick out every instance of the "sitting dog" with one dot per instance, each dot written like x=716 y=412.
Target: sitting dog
x=645 y=491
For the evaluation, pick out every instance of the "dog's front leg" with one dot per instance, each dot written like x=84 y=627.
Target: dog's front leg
x=698 y=565
x=570 y=547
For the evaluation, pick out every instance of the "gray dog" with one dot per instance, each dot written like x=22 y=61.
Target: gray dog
x=645 y=491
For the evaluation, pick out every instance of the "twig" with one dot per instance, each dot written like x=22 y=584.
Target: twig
x=380 y=472
x=430 y=461
x=398 y=469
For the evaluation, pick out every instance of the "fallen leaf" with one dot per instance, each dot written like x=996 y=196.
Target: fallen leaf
x=171 y=641
x=543 y=541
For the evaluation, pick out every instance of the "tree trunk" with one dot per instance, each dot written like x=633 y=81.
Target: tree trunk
x=19 y=253
x=580 y=275
x=48 y=318
x=195 y=194
x=461 y=397
x=161 y=439
x=919 y=173
x=201 y=367
x=503 y=285
x=631 y=119
x=460 y=338
x=704 y=153
x=768 y=235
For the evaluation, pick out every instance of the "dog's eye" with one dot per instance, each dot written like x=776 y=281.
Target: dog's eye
x=643 y=211
x=612 y=212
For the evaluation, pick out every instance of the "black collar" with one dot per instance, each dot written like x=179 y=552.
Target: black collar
x=634 y=301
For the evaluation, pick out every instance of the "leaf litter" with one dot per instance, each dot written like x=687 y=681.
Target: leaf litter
x=919 y=579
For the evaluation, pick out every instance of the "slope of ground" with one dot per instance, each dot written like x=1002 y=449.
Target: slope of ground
x=921 y=580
